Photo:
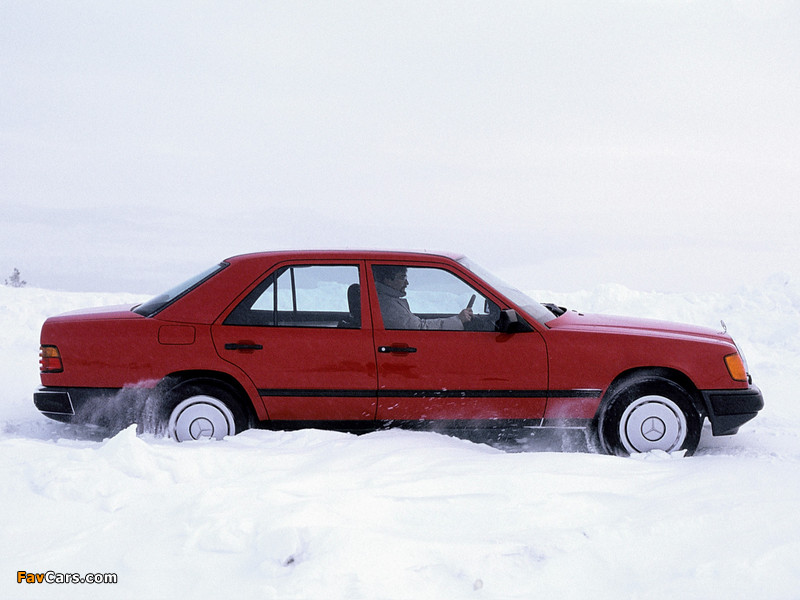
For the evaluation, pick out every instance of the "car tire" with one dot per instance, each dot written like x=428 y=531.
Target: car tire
x=649 y=413
x=195 y=410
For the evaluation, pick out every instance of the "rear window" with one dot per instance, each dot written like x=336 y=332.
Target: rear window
x=160 y=302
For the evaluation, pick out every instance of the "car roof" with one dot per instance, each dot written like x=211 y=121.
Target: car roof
x=347 y=254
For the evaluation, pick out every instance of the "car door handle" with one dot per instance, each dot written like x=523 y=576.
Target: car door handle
x=243 y=346
x=398 y=349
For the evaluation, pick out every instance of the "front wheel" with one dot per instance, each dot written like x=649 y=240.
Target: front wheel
x=649 y=413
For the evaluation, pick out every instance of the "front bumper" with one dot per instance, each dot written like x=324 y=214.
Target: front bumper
x=729 y=409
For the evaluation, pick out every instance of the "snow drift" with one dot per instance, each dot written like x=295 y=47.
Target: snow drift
x=399 y=514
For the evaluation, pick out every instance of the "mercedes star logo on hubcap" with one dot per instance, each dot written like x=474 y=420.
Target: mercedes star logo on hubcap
x=653 y=429
x=201 y=428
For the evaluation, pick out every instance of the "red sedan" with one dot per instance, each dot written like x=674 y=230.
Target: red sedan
x=364 y=340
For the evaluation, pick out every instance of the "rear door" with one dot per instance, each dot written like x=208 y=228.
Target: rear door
x=454 y=374
x=302 y=337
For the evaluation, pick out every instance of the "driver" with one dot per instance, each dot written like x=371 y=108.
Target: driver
x=391 y=283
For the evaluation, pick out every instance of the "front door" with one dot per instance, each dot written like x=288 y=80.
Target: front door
x=305 y=342
x=433 y=366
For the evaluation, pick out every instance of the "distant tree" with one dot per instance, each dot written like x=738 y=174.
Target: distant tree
x=14 y=280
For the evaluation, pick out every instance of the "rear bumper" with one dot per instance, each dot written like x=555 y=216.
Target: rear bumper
x=729 y=409
x=100 y=406
x=56 y=404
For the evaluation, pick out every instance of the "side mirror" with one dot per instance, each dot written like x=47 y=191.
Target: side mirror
x=511 y=322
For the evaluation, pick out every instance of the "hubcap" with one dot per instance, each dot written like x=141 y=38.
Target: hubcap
x=201 y=417
x=652 y=423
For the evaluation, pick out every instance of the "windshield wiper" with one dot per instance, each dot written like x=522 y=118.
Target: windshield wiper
x=554 y=308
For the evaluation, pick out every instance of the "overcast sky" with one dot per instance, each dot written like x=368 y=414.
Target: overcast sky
x=654 y=144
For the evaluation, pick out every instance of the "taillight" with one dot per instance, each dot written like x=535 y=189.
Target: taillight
x=50 y=360
x=736 y=367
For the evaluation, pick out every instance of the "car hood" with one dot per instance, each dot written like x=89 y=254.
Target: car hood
x=572 y=320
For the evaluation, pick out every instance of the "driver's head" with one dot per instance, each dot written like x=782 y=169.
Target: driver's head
x=392 y=275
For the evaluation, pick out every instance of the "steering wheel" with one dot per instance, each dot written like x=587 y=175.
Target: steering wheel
x=483 y=322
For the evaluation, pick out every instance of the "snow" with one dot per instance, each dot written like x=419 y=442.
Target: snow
x=398 y=514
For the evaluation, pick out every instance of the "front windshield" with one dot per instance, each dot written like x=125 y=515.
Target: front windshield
x=154 y=305
x=531 y=307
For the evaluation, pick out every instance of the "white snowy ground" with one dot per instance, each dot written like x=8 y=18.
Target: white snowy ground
x=399 y=514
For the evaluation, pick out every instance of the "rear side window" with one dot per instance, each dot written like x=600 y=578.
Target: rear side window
x=160 y=302
x=303 y=296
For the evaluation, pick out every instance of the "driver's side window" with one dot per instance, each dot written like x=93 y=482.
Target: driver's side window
x=429 y=298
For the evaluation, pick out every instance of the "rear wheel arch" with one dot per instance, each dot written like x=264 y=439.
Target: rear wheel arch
x=212 y=378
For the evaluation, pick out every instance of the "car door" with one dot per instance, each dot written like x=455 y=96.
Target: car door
x=302 y=337
x=434 y=369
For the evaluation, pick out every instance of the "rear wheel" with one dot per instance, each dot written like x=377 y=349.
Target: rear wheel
x=196 y=410
x=649 y=413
